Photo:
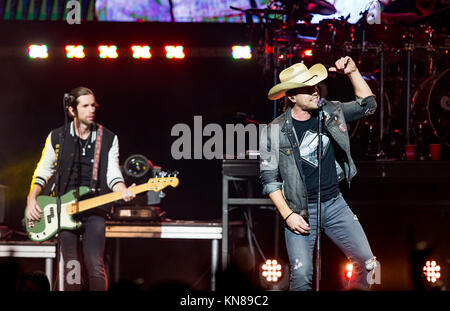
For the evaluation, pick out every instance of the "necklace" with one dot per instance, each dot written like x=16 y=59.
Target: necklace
x=83 y=148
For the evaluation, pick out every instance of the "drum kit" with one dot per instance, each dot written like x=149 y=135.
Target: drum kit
x=407 y=65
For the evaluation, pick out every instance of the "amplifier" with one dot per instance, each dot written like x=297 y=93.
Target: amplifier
x=137 y=213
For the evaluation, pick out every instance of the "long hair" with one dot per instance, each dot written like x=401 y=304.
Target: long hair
x=77 y=92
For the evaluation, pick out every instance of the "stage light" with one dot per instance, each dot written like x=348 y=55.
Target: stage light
x=137 y=165
x=174 y=51
x=348 y=271
x=274 y=275
x=241 y=52
x=141 y=51
x=284 y=57
x=38 y=51
x=432 y=271
x=308 y=53
x=271 y=270
x=108 y=51
x=75 y=51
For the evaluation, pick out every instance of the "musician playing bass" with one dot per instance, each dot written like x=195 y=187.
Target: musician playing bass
x=90 y=158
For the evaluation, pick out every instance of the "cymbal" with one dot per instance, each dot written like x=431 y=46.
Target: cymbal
x=266 y=11
x=312 y=6
x=441 y=13
x=309 y=6
x=320 y=7
x=263 y=11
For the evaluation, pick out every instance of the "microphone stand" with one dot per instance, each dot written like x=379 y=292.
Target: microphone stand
x=58 y=197
x=319 y=203
x=408 y=91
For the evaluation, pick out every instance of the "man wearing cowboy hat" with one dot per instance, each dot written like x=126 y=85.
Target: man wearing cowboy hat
x=289 y=169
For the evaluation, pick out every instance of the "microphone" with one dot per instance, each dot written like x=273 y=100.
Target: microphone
x=322 y=102
x=66 y=100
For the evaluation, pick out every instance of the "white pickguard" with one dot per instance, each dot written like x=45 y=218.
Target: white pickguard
x=51 y=228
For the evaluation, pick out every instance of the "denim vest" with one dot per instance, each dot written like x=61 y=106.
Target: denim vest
x=279 y=167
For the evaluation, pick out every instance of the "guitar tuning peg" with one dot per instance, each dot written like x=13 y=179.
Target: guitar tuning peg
x=162 y=174
x=175 y=173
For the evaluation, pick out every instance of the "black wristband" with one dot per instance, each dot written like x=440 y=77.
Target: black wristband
x=288 y=215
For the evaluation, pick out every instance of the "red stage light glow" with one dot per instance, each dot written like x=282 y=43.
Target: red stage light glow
x=349 y=271
x=308 y=53
x=432 y=271
x=271 y=270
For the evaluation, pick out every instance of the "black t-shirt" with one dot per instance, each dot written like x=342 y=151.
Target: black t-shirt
x=83 y=158
x=81 y=173
x=308 y=138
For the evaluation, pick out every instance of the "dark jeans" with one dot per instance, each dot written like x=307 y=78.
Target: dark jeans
x=92 y=234
x=344 y=229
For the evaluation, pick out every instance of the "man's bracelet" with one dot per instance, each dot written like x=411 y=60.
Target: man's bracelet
x=288 y=215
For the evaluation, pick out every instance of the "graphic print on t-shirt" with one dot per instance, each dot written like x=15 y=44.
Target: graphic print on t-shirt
x=308 y=147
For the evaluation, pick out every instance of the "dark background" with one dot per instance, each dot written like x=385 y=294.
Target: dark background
x=141 y=100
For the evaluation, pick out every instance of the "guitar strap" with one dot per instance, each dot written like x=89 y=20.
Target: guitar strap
x=98 y=147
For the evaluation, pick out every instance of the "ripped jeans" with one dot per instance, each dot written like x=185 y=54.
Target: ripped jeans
x=343 y=228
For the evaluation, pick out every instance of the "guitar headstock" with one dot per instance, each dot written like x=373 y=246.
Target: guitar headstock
x=165 y=179
x=167 y=174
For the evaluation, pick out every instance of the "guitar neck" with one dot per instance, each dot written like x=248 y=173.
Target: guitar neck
x=87 y=204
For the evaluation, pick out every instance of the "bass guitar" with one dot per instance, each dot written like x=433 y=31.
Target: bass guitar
x=47 y=225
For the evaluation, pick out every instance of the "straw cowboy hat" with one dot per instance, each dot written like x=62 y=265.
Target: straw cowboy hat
x=297 y=76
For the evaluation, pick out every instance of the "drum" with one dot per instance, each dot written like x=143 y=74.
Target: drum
x=371 y=124
x=334 y=33
x=366 y=133
x=430 y=107
x=438 y=107
x=424 y=36
x=391 y=36
x=372 y=39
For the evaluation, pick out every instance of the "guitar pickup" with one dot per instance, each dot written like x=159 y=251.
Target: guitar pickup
x=52 y=214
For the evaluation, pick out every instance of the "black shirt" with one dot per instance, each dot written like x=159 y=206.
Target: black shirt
x=308 y=138
x=83 y=158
